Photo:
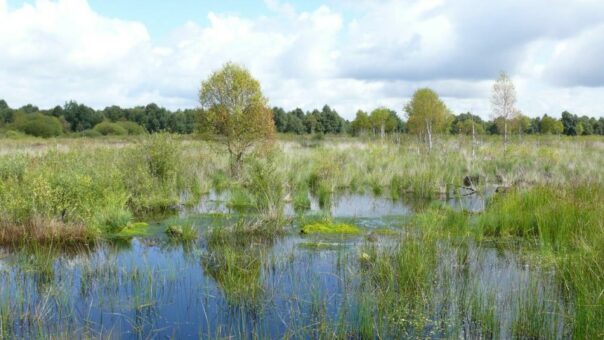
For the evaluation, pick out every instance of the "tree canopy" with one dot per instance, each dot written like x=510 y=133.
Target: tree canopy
x=427 y=115
x=235 y=111
x=551 y=126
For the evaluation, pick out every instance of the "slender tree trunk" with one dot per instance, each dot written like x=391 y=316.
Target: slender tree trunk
x=505 y=136
x=429 y=134
x=382 y=130
x=473 y=141
x=236 y=164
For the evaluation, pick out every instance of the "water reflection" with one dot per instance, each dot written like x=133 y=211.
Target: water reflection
x=244 y=286
x=354 y=205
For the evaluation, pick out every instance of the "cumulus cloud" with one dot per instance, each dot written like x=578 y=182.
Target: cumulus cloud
x=64 y=49
x=578 y=61
x=351 y=56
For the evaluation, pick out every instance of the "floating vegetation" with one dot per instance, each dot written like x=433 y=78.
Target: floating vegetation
x=133 y=229
x=330 y=228
x=185 y=232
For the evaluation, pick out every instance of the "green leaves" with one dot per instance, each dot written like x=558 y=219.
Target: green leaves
x=426 y=111
x=236 y=112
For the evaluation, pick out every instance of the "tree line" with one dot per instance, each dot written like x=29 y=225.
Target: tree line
x=382 y=121
x=76 y=118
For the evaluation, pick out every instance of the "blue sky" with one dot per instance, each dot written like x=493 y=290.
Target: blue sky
x=153 y=13
x=351 y=55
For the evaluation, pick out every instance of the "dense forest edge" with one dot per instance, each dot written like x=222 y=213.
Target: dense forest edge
x=78 y=120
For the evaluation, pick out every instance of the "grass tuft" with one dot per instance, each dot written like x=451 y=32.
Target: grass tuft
x=330 y=228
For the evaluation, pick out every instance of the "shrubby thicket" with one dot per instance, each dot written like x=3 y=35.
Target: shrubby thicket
x=77 y=191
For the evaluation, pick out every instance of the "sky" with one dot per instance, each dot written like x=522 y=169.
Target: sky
x=349 y=54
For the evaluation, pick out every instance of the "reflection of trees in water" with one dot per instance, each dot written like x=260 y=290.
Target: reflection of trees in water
x=234 y=259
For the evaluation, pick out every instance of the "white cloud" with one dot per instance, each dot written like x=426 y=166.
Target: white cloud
x=578 y=61
x=54 y=51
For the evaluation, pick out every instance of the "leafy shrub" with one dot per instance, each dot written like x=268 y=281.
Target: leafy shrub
x=264 y=180
x=90 y=133
x=12 y=134
x=153 y=173
x=67 y=188
x=39 y=125
x=131 y=127
x=114 y=219
x=108 y=128
x=162 y=156
x=78 y=190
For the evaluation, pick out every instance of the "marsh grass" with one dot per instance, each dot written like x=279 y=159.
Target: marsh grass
x=54 y=181
x=234 y=260
x=419 y=282
x=566 y=223
x=301 y=201
x=76 y=195
x=484 y=319
x=44 y=231
x=400 y=279
x=184 y=232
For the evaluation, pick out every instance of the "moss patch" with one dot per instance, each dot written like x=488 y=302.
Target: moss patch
x=330 y=228
x=133 y=229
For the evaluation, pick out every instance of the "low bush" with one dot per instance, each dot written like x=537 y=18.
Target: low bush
x=90 y=133
x=77 y=190
x=39 y=125
x=108 y=128
x=131 y=127
x=12 y=134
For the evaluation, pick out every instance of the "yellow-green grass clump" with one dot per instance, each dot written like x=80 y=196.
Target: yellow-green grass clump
x=330 y=228
x=132 y=230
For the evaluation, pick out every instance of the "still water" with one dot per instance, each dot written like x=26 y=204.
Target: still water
x=293 y=286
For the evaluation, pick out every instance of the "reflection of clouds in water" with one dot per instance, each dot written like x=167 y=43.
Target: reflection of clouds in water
x=367 y=206
x=173 y=294
x=354 y=205
x=472 y=201
x=499 y=273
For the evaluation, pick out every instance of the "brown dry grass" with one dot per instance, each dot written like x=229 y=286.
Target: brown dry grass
x=45 y=231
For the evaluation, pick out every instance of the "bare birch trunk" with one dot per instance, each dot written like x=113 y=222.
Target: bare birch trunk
x=505 y=136
x=473 y=141
x=429 y=134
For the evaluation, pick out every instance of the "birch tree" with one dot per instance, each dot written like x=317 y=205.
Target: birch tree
x=503 y=101
x=427 y=115
x=383 y=120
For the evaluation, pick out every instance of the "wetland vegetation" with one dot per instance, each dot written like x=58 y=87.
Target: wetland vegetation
x=338 y=238
x=238 y=232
